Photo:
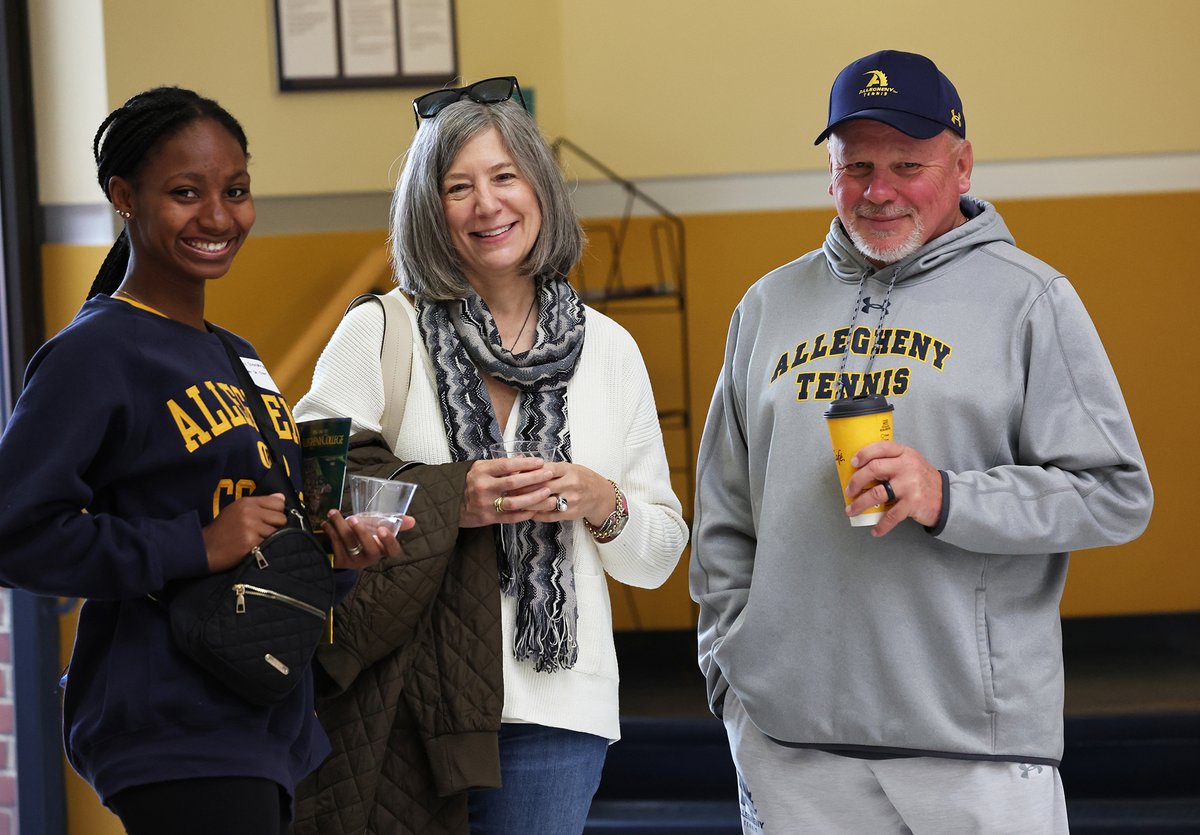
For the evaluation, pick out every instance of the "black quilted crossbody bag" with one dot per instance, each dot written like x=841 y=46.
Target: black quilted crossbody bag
x=256 y=626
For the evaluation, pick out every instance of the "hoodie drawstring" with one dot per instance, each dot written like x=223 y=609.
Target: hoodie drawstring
x=876 y=342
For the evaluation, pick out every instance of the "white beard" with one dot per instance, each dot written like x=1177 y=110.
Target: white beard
x=892 y=254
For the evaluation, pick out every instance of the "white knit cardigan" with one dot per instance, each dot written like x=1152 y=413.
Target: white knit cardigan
x=614 y=431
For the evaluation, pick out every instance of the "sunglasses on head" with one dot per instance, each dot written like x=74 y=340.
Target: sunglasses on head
x=488 y=91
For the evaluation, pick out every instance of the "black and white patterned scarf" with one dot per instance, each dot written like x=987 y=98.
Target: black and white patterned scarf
x=462 y=340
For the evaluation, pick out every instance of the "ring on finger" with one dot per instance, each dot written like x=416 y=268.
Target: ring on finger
x=355 y=551
x=499 y=504
x=560 y=504
x=887 y=488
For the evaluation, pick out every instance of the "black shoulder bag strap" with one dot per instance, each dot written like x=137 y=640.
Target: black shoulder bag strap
x=276 y=476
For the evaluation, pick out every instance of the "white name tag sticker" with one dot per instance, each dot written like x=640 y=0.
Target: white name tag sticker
x=260 y=375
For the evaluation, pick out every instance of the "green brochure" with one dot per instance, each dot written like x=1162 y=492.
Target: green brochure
x=324 y=445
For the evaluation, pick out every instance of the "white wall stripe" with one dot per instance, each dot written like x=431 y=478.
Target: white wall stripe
x=990 y=181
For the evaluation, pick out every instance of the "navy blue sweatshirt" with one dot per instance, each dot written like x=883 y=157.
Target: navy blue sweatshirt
x=132 y=433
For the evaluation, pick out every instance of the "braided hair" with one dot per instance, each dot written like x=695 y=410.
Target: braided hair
x=126 y=138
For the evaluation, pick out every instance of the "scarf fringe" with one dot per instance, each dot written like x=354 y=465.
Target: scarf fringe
x=549 y=643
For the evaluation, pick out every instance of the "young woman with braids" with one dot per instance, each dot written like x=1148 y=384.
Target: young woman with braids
x=130 y=462
x=484 y=237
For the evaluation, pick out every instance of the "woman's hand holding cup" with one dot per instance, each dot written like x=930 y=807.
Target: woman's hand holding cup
x=504 y=490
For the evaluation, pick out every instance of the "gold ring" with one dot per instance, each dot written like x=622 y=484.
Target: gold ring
x=499 y=504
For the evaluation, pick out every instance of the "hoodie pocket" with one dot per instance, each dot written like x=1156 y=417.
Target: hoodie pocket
x=984 y=643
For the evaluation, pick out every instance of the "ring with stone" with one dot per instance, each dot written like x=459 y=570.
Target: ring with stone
x=499 y=504
x=560 y=504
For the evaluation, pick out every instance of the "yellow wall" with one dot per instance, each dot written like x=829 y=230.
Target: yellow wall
x=681 y=87
x=320 y=142
x=723 y=87
x=1124 y=256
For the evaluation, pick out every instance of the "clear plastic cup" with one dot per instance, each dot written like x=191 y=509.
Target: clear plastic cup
x=380 y=502
x=524 y=449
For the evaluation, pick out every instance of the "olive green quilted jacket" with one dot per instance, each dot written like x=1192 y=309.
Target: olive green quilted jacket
x=411 y=689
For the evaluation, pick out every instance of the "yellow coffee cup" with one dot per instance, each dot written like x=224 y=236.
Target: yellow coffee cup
x=853 y=423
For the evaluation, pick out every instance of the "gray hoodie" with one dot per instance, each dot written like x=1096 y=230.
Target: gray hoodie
x=946 y=641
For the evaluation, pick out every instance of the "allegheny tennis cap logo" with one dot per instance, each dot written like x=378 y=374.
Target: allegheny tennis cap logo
x=877 y=85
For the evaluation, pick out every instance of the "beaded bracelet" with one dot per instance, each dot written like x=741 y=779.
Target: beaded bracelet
x=615 y=523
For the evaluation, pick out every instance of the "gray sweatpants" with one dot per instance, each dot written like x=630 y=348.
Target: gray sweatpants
x=799 y=790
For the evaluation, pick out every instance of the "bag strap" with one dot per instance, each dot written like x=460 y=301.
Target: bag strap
x=395 y=358
x=259 y=411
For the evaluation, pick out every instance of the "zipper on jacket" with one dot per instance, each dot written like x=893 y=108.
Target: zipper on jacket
x=243 y=589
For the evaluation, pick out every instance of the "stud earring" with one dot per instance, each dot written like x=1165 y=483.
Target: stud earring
x=125 y=215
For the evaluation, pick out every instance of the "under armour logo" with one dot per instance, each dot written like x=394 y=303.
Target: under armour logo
x=1025 y=769
x=867 y=307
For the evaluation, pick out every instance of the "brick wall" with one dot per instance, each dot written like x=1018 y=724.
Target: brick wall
x=8 y=728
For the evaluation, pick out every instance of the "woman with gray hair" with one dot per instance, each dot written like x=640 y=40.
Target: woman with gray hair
x=483 y=239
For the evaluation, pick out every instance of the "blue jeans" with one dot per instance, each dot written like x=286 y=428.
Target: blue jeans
x=549 y=778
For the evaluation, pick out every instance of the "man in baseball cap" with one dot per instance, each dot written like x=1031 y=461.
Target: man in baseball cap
x=901 y=89
x=905 y=676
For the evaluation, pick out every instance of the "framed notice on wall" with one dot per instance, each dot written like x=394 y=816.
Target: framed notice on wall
x=331 y=44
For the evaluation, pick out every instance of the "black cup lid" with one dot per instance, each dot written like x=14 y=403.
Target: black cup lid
x=868 y=404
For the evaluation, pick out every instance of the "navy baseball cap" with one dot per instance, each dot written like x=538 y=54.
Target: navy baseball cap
x=901 y=89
